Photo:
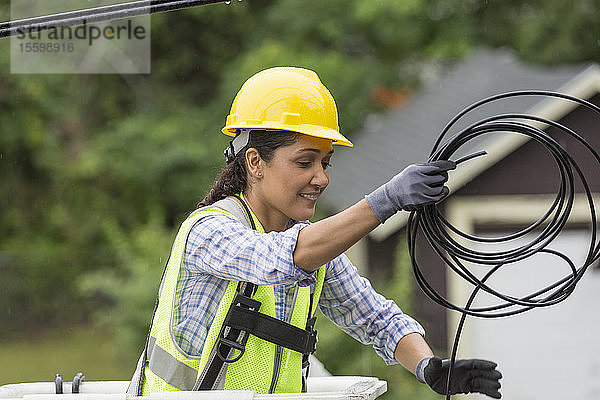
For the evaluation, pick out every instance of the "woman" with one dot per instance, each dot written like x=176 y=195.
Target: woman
x=246 y=273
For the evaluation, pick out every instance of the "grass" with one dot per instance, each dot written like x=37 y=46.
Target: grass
x=35 y=358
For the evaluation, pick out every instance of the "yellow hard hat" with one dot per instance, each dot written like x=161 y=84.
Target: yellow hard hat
x=286 y=98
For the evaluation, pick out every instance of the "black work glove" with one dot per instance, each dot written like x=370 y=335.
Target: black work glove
x=468 y=376
x=416 y=186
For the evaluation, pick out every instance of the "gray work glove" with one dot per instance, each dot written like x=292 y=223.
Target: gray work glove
x=416 y=186
x=468 y=376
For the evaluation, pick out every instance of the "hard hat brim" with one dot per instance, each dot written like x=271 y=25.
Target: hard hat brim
x=306 y=129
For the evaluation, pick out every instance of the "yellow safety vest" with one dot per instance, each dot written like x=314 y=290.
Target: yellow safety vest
x=263 y=367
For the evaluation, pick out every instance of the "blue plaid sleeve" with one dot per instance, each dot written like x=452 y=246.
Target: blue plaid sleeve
x=350 y=302
x=222 y=246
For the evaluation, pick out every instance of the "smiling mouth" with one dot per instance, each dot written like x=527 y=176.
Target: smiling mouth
x=307 y=196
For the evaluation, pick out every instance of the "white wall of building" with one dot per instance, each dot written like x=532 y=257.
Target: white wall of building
x=544 y=354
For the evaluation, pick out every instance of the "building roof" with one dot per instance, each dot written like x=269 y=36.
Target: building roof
x=389 y=142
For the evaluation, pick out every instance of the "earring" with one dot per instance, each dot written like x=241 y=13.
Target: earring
x=260 y=174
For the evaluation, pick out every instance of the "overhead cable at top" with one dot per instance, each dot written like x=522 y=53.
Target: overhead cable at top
x=97 y=14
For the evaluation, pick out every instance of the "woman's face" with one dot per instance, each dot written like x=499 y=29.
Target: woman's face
x=293 y=180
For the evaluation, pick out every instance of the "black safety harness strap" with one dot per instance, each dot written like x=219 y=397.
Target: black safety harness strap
x=310 y=327
x=268 y=328
x=230 y=339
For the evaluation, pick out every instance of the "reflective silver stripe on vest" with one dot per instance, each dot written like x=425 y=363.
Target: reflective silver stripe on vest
x=170 y=369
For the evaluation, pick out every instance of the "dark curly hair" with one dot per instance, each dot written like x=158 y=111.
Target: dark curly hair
x=233 y=177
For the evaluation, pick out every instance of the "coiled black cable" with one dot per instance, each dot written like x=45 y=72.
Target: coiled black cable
x=439 y=232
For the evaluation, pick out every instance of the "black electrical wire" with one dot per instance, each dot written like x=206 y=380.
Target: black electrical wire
x=438 y=231
x=97 y=14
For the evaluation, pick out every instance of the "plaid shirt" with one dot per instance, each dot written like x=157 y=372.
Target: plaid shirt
x=219 y=249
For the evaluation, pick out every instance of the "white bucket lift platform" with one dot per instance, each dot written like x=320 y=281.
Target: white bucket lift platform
x=319 y=388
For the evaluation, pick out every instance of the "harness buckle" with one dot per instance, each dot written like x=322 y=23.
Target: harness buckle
x=226 y=344
x=232 y=345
